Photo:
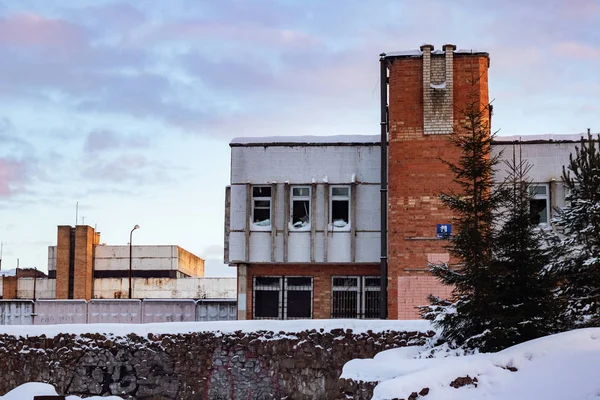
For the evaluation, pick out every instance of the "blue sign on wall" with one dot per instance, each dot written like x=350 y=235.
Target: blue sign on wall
x=443 y=231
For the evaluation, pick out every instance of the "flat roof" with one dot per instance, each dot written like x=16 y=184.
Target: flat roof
x=332 y=140
x=547 y=138
x=419 y=53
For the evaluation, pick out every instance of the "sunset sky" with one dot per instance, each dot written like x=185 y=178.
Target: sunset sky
x=128 y=107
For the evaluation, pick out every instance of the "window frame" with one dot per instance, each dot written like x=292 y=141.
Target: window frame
x=361 y=289
x=282 y=291
x=262 y=198
x=333 y=198
x=541 y=196
x=300 y=198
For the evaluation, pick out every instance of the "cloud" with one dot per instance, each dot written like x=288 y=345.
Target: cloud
x=13 y=175
x=101 y=140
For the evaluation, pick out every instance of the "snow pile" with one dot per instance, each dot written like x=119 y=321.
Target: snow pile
x=562 y=366
x=28 y=390
x=174 y=328
x=9 y=272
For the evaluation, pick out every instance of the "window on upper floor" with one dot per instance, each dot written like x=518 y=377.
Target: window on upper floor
x=300 y=206
x=261 y=205
x=278 y=297
x=539 y=204
x=340 y=206
x=355 y=296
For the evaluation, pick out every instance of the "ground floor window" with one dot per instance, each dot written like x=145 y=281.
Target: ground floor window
x=282 y=297
x=355 y=296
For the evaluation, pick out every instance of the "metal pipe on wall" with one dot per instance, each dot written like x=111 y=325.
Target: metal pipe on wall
x=383 y=80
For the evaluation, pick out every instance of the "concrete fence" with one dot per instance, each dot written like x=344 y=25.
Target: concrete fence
x=50 y=312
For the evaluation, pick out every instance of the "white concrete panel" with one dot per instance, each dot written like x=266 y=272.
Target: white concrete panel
x=167 y=288
x=299 y=247
x=260 y=247
x=547 y=159
x=216 y=311
x=16 y=312
x=368 y=246
x=168 y=311
x=368 y=203
x=51 y=258
x=238 y=207
x=143 y=258
x=300 y=164
x=51 y=312
x=44 y=288
x=338 y=247
x=319 y=246
x=279 y=247
x=237 y=246
x=115 y=311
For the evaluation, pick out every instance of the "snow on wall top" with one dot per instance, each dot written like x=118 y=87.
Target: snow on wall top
x=357 y=326
x=574 y=137
x=419 y=53
x=334 y=140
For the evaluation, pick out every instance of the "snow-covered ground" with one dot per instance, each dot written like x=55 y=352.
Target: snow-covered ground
x=29 y=390
x=565 y=366
x=356 y=325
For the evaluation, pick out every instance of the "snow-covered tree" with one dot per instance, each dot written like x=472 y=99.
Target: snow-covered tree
x=473 y=205
x=521 y=304
x=502 y=291
x=577 y=257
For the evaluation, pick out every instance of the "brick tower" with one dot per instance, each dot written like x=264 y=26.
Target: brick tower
x=428 y=90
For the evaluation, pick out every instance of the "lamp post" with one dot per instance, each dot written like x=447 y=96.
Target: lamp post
x=130 y=252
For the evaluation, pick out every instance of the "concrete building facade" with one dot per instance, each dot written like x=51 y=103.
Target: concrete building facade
x=280 y=219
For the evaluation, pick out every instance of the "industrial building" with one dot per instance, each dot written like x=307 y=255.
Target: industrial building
x=81 y=267
x=304 y=225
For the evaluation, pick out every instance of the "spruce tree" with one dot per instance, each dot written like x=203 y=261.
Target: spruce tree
x=502 y=292
x=578 y=248
x=521 y=304
x=473 y=206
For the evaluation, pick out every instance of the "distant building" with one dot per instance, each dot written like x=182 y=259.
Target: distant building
x=302 y=215
x=79 y=267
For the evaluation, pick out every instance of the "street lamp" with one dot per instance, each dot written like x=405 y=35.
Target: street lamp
x=130 y=252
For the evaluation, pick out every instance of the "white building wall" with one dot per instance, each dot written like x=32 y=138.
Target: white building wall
x=357 y=166
x=166 y=288
x=546 y=157
x=44 y=288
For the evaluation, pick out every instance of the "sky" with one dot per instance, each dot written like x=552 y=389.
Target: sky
x=127 y=108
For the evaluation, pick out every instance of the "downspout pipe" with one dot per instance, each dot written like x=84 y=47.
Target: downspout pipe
x=383 y=301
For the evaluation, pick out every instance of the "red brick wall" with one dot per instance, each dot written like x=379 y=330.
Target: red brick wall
x=84 y=242
x=321 y=273
x=9 y=287
x=63 y=245
x=416 y=174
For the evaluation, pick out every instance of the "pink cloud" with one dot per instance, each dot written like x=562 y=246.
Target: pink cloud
x=32 y=30
x=578 y=50
x=12 y=173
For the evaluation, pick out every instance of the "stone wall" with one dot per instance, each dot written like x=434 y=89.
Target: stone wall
x=204 y=365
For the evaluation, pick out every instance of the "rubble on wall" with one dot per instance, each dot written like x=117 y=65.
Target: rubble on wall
x=204 y=365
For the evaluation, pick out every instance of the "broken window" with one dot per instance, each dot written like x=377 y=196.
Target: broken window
x=340 y=206
x=277 y=297
x=300 y=206
x=355 y=296
x=261 y=205
x=538 y=204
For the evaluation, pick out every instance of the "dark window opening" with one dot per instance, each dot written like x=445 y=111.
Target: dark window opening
x=538 y=211
x=355 y=297
x=340 y=206
x=283 y=297
x=261 y=205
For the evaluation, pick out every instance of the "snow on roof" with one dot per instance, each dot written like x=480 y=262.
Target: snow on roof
x=291 y=326
x=419 y=53
x=561 y=366
x=306 y=140
x=574 y=137
x=8 y=272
